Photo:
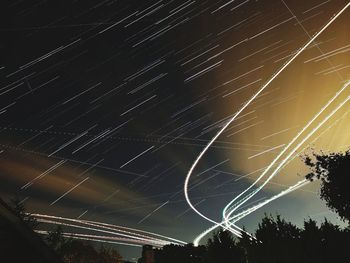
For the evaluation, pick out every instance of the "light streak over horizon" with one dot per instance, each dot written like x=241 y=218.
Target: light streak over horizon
x=244 y=107
x=133 y=234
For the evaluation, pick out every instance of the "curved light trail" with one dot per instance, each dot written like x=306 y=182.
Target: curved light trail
x=243 y=108
x=227 y=224
x=138 y=236
x=250 y=210
x=136 y=239
x=288 y=146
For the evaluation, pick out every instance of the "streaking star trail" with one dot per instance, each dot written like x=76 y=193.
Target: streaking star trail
x=243 y=108
x=149 y=122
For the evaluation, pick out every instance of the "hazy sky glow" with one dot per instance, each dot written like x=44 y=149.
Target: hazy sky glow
x=106 y=105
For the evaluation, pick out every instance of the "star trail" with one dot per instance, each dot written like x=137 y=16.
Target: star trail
x=155 y=122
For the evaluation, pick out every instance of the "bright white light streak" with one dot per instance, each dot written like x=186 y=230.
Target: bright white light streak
x=143 y=102
x=68 y=143
x=314 y=7
x=189 y=209
x=82 y=214
x=202 y=72
x=52 y=168
x=245 y=128
x=70 y=190
x=336 y=70
x=155 y=210
x=147 y=14
x=316 y=138
x=250 y=210
x=275 y=133
x=81 y=93
x=188 y=176
x=145 y=69
x=258 y=51
x=137 y=156
x=240 y=76
x=320 y=57
x=142 y=231
x=201 y=54
x=270 y=28
x=307 y=33
x=174 y=12
x=92 y=238
x=94 y=229
x=122 y=229
x=222 y=6
x=145 y=239
x=284 y=161
x=212 y=167
x=236 y=90
x=239 y=5
x=286 y=148
x=266 y=151
x=101 y=135
x=254 y=208
x=117 y=23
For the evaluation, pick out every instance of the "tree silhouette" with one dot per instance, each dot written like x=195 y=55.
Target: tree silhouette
x=108 y=255
x=276 y=241
x=57 y=241
x=280 y=241
x=334 y=242
x=222 y=247
x=311 y=242
x=19 y=209
x=73 y=251
x=77 y=251
x=334 y=172
x=184 y=254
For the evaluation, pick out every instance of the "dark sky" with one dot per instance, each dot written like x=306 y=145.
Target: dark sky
x=105 y=105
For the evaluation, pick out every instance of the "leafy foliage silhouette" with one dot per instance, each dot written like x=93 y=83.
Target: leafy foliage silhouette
x=19 y=209
x=72 y=250
x=334 y=172
x=277 y=240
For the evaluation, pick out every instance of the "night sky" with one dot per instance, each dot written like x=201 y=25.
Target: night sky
x=105 y=105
